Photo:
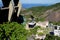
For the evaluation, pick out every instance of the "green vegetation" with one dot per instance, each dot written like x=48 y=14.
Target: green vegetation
x=39 y=19
x=13 y=31
x=52 y=37
x=41 y=34
x=41 y=9
x=34 y=30
x=55 y=23
x=40 y=12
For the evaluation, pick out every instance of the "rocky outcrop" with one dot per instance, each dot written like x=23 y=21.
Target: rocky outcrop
x=53 y=16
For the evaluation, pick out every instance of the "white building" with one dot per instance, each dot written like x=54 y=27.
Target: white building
x=57 y=31
x=40 y=37
x=42 y=24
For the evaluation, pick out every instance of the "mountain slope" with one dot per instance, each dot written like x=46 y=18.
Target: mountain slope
x=50 y=13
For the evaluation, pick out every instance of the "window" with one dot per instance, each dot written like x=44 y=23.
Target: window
x=59 y=28
x=55 y=27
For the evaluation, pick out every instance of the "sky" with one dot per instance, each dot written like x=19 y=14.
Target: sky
x=38 y=1
x=0 y=2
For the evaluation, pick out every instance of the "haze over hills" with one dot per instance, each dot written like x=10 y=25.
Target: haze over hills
x=33 y=5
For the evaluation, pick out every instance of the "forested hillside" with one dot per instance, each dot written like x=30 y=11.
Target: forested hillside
x=51 y=13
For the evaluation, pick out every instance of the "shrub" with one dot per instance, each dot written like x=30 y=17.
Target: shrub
x=13 y=31
x=52 y=37
x=40 y=34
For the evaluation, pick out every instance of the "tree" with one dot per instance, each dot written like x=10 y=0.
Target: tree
x=13 y=31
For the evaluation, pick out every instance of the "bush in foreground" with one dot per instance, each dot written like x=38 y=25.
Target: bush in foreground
x=12 y=31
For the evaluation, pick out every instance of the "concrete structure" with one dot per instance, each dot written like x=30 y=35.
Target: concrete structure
x=40 y=37
x=11 y=8
x=42 y=24
x=57 y=31
x=30 y=37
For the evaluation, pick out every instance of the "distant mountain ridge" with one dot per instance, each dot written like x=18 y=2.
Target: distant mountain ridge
x=33 y=5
